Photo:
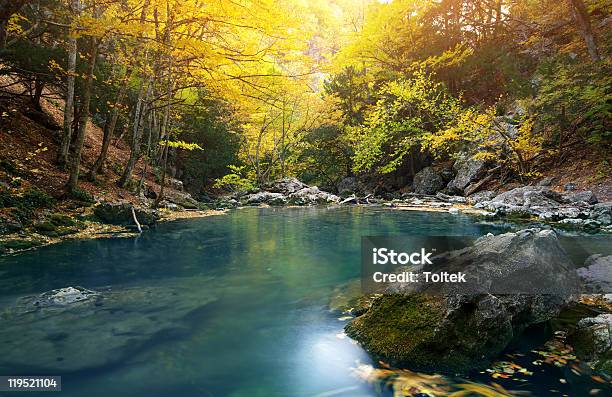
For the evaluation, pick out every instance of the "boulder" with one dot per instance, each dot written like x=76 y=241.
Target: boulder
x=182 y=199
x=286 y=186
x=451 y=199
x=464 y=331
x=467 y=170
x=485 y=195
x=265 y=198
x=596 y=275
x=348 y=185
x=174 y=183
x=581 y=197
x=602 y=213
x=427 y=181
x=312 y=195
x=74 y=329
x=537 y=201
x=568 y=187
x=592 y=340
x=120 y=213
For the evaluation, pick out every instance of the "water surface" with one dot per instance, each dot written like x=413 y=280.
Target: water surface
x=272 y=272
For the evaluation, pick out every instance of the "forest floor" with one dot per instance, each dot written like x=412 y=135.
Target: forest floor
x=29 y=142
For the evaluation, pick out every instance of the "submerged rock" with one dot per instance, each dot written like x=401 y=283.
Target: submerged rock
x=446 y=328
x=75 y=329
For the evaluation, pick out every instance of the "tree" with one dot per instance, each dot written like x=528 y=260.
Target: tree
x=584 y=25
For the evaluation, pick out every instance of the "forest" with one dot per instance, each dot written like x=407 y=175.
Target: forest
x=236 y=94
x=208 y=198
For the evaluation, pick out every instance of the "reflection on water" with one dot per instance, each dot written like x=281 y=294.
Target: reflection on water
x=271 y=272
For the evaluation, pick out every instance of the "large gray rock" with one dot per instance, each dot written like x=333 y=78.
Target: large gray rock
x=467 y=170
x=74 y=329
x=427 y=181
x=520 y=195
x=121 y=214
x=464 y=331
x=286 y=186
x=586 y=196
x=312 y=195
x=479 y=197
x=602 y=213
x=542 y=202
x=182 y=199
x=265 y=198
x=596 y=275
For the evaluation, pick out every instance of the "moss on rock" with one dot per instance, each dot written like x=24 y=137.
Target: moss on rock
x=400 y=328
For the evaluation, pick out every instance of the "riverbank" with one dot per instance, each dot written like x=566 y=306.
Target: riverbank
x=83 y=225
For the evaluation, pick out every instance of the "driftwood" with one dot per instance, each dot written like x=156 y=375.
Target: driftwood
x=474 y=188
x=136 y=220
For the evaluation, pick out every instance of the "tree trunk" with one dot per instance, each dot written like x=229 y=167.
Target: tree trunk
x=62 y=155
x=582 y=18
x=39 y=85
x=109 y=129
x=136 y=135
x=73 y=181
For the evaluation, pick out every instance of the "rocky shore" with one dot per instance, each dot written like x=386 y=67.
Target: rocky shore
x=457 y=331
x=539 y=204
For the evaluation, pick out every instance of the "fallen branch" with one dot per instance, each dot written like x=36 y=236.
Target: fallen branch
x=136 y=220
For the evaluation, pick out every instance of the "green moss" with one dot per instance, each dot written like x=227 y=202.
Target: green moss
x=61 y=220
x=45 y=227
x=34 y=198
x=399 y=327
x=18 y=245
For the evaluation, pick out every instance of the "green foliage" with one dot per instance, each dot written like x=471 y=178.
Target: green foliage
x=235 y=180
x=82 y=196
x=34 y=198
x=181 y=145
x=573 y=101
x=326 y=155
x=211 y=126
x=408 y=115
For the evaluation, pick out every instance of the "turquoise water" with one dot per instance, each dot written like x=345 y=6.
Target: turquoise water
x=264 y=278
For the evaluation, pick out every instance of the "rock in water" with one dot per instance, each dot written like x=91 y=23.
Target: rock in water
x=457 y=332
x=427 y=181
x=65 y=296
x=74 y=329
x=592 y=340
x=596 y=275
